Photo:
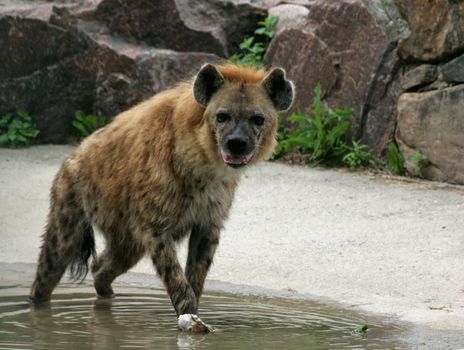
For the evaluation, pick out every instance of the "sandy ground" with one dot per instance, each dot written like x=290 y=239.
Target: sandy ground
x=376 y=245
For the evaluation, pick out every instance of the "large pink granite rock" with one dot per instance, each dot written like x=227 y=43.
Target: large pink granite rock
x=349 y=48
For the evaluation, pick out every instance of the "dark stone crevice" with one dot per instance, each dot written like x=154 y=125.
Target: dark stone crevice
x=376 y=84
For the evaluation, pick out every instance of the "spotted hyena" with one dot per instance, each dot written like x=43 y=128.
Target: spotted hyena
x=163 y=170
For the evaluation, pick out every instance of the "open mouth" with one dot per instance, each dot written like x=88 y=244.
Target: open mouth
x=236 y=161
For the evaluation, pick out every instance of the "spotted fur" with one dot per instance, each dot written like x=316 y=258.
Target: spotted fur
x=148 y=179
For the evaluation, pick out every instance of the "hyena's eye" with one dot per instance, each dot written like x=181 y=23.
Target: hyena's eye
x=257 y=120
x=222 y=117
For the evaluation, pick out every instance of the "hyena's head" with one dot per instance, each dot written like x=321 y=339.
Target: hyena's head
x=241 y=106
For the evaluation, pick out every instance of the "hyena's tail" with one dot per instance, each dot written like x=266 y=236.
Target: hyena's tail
x=68 y=240
x=79 y=265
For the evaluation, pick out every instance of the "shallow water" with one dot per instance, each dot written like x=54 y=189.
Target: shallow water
x=142 y=317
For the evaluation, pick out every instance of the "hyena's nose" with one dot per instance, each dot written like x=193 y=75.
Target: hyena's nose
x=237 y=145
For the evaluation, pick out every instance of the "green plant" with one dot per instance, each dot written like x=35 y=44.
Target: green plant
x=252 y=47
x=17 y=129
x=419 y=161
x=359 y=155
x=282 y=134
x=396 y=162
x=360 y=331
x=319 y=135
x=395 y=159
x=85 y=124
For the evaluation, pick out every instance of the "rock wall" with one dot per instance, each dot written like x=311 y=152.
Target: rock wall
x=350 y=50
x=433 y=123
x=399 y=64
x=103 y=56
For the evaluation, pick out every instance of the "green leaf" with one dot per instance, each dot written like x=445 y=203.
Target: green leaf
x=79 y=126
x=3 y=139
x=22 y=138
x=361 y=330
x=16 y=123
x=79 y=115
x=339 y=130
x=24 y=116
x=247 y=43
x=269 y=22
x=301 y=119
x=418 y=157
x=395 y=159
x=235 y=58
x=345 y=112
x=257 y=48
x=17 y=128
x=269 y=33
x=86 y=124
x=272 y=21
x=321 y=134
x=298 y=142
x=317 y=103
x=30 y=133
x=358 y=155
x=419 y=162
x=5 y=120
x=91 y=122
x=252 y=48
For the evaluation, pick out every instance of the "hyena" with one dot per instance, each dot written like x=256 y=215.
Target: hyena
x=165 y=169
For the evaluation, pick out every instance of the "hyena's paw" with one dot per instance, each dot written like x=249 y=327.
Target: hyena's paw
x=106 y=296
x=38 y=295
x=37 y=302
x=193 y=323
x=104 y=292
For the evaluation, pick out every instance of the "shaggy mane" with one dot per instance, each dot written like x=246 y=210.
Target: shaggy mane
x=235 y=73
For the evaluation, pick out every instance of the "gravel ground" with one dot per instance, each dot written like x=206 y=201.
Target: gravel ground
x=363 y=241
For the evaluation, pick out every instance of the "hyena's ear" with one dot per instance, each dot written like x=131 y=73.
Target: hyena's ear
x=279 y=89
x=207 y=82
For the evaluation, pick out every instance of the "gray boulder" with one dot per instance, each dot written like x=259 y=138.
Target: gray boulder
x=419 y=76
x=431 y=123
x=453 y=71
x=290 y=16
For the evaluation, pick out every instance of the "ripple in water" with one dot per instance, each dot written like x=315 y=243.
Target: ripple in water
x=144 y=318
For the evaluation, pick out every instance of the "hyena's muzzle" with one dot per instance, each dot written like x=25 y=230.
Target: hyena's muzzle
x=238 y=146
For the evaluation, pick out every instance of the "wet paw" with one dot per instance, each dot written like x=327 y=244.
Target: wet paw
x=104 y=291
x=34 y=301
x=193 y=323
x=106 y=296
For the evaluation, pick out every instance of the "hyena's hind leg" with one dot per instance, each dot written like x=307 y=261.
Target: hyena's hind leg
x=115 y=260
x=68 y=241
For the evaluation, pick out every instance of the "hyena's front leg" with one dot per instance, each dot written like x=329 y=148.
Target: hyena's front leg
x=167 y=265
x=202 y=246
